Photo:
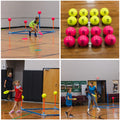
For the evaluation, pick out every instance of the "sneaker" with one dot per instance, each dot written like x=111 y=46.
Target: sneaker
x=18 y=111
x=88 y=110
x=12 y=111
x=66 y=113
x=35 y=34
x=98 y=109
x=71 y=116
x=29 y=33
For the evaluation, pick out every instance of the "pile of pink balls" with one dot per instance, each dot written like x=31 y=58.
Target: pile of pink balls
x=83 y=39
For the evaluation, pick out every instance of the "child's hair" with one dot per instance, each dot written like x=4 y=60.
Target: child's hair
x=36 y=18
x=68 y=89
x=16 y=81
x=91 y=83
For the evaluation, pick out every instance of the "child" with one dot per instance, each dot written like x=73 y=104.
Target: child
x=18 y=97
x=91 y=92
x=69 y=103
x=34 y=26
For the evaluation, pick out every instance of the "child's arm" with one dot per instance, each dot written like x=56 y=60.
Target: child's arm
x=20 y=90
x=70 y=98
x=5 y=83
x=12 y=90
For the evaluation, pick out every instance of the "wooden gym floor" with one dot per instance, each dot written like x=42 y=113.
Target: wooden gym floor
x=46 y=46
x=90 y=52
x=6 y=106
x=80 y=112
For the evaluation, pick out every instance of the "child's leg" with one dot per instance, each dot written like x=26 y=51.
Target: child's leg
x=19 y=105
x=31 y=29
x=89 y=101
x=15 y=104
x=70 y=110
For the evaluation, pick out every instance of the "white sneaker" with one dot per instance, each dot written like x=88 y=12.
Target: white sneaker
x=88 y=110
x=98 y=109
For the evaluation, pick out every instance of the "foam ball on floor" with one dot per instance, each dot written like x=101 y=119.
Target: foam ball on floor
x=72 y=12
x=94 y=12
x=70 y=31
x=96 y=41
x=95 y=30
x=83 y=31
x=104 y=11
x=108 y=30
x=72 y=21
x=94 y=20
x=83 y=12
x=110 y=39
x=83 y=40
x=69 y=41
x=106 y=20
x=83 y=20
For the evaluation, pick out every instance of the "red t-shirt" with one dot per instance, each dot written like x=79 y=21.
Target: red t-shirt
x=18 y=93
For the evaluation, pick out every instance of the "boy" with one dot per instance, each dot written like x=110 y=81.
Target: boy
x=34 y=26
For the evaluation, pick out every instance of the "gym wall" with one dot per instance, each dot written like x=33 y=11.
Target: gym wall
x=83 y=70
x=40 y=64
x=27 y=10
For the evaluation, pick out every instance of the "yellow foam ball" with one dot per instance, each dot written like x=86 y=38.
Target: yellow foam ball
x=55 y=92
x=22 y=97
x=44 y=95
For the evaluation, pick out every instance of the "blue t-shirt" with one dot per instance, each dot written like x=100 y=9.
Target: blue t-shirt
x=91 y=90
x=69 y=102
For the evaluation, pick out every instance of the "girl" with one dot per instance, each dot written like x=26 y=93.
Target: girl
x=91 y=92
x=34 y=26
x=18 y=97
x=69 y=103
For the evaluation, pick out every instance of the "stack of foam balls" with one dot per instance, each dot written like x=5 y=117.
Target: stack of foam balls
x=96 y=38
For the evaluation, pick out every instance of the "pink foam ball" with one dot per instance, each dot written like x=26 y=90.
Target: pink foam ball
x=96 y=41
x=108 y=30
x=70 y=31
x=83 y=31
x=112 y=98
x=110 y=39
x=39 y=12
x=25 y=21
x=53 y=18
x=95 y=30
x=83 y=40
x=69 y=41
x=9 y=19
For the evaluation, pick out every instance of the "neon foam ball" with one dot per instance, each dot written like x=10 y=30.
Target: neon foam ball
x=44 y=95
x=83 y=12
x=96 y=41
x=95 y=30
x=108 y=30
x=9 y=19
x=83 y=31
x=94 y=20
x=39 y=12
x=83 y=40
x=70 y=31
x=83 y=20
x=104 y=11
x=110 y=39
x=25 y=21
x=53 y=18
x=106 y=20
x=72 y=21
x=69 y=41
x=72 y=12
x=22 y=97
x=55 y=92
x=94 y=12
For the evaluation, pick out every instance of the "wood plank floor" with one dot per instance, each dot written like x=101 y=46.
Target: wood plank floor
x=46 y=46
x=80 y=112
x=6 y=106
x=90 y=52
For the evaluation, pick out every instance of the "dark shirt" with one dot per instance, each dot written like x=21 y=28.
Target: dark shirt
x=86 y=91
x=9 y=82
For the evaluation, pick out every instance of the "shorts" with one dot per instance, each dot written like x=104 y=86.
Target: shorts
x=68 y=105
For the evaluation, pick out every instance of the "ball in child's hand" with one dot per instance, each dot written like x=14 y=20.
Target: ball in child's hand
x=55 y=92
x=44 y=95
